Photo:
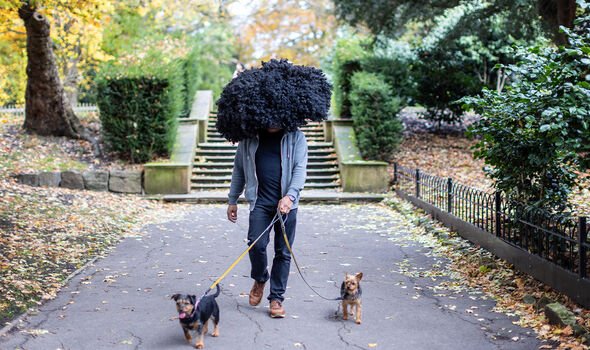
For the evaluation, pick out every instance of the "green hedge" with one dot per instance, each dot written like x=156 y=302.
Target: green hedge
x=441 y=81
x=139 y=106
x=396 y=71
x=348 y=54
x=375 y=111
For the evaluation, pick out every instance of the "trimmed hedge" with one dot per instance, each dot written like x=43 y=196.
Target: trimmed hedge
x=139 y=106
x=375 y=115
x=396 y=71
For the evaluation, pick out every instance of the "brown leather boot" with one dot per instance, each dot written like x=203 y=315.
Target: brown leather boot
x=276 y=309
x=256 y=293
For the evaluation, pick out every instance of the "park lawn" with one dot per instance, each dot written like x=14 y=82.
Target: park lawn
x=48 y=233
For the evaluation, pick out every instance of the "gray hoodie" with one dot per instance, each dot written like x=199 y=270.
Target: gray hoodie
x=293 y=165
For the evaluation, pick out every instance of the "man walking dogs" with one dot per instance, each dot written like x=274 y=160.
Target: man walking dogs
x=272 y=168
x=262 y=109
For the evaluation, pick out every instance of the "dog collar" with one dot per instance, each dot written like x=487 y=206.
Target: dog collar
x=195 y=308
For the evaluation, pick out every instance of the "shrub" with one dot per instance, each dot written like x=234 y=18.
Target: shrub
x=440 y=82
x=346 y=61
x=396 y=71
x=139 y=106
x=532 y=135
x=375 y=115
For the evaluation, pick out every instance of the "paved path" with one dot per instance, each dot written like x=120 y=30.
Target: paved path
x=122 y=301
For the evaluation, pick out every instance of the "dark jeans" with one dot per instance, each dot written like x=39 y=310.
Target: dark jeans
x=260 y=218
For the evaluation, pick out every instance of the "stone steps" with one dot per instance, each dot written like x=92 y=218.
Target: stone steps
x=219 y=171
x=225 y=185
x=213 y=162
x=227 y=178
x=213 y=151
x=230 y=165
x=228 y=145
x=328 y=196
x=225 y=158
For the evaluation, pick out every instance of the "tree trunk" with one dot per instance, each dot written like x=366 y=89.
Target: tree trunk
x=558 y=13
x=47 y=110
x=566 y=12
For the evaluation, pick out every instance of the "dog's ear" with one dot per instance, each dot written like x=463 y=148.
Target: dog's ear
x=193 y=299
x=175 y=297
x=359 y=276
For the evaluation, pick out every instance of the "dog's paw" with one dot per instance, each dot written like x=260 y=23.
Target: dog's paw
x=358 y=321
x=345 y=317
x=199 y=345
x=215 y=333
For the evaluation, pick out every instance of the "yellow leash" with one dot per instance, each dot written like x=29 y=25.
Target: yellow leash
x=278 y=217
x=275 y=218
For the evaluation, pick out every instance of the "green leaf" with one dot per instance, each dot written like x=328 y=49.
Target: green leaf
x=545 y=127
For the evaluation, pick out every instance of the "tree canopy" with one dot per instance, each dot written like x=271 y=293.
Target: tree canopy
x=392 y=17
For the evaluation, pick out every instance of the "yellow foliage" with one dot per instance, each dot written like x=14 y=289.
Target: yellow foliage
x=301 y=31
x=76 y=29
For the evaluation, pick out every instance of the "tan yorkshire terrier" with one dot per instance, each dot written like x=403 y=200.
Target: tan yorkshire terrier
x=351 y=293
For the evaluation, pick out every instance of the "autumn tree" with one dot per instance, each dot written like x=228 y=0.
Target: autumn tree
x=48 y=111
x=301 y=31
x=12 y=72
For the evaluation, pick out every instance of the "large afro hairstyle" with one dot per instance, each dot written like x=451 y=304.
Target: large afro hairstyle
x=277 y=95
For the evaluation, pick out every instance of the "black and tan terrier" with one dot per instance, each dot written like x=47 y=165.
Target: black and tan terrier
x=351 y=292
x=194 y=314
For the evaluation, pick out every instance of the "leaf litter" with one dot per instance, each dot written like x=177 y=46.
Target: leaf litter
x=48 y=233
x=498 y=280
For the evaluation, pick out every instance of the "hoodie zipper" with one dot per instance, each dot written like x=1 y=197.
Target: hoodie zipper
x=254 y=162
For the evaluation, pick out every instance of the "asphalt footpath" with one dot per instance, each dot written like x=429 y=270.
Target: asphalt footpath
x=123 y=301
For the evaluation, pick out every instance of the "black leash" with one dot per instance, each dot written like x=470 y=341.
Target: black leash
x=282 y=221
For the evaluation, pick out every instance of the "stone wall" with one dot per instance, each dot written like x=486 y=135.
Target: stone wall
x=120 y=181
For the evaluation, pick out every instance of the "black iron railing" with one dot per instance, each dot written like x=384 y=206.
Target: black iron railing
x=561 y=240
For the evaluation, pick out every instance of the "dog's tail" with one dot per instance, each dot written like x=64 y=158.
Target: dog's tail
x=217 y=292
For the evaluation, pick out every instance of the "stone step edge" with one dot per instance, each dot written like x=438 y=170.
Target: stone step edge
x=214 y=197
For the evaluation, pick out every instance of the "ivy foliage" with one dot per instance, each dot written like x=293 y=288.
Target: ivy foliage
x=534 y=136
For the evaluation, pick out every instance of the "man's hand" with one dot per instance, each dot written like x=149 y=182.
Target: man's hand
x=285 y=205
x=232 y=212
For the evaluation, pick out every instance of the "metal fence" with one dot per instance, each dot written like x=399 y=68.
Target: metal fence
x=561 y=240
x=81 y=109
